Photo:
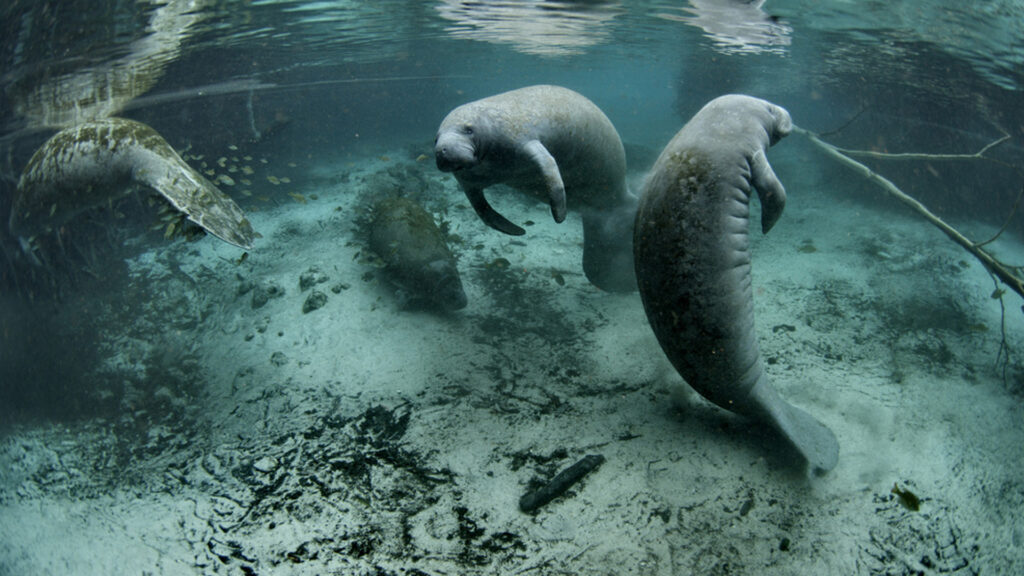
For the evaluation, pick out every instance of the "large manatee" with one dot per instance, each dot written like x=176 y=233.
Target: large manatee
x=692 y=256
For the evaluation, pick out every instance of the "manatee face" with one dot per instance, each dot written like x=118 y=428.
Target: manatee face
x=464 y=137
x=454 y=147
x=447 y=291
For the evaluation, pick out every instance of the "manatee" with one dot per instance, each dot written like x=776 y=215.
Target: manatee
x=99 y=161
x=414 y=253
x=554 y=144
x=692 y=257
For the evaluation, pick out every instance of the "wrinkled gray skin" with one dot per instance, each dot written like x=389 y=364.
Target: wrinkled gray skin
x=95 y=162
x=692 y=256
x=415 y=255
x=556 y=145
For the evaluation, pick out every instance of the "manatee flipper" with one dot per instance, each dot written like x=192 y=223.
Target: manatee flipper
x=552 y=177
x=769 y=190
x=809 y=437
x=489 y=215
x=199 y=200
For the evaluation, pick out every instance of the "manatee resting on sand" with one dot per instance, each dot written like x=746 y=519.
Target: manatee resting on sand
x=95 y=162
x=692 y=255
x=414 y=253
x=556 y=145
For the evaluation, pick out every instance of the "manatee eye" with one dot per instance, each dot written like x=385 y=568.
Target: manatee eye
x=467 y=130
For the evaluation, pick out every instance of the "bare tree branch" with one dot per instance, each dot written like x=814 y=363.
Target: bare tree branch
x=1006 y=274
x=979 y=155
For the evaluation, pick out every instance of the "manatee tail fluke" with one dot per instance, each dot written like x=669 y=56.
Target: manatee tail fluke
x=815 y=443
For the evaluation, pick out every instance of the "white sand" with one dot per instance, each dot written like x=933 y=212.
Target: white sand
x=879 y=331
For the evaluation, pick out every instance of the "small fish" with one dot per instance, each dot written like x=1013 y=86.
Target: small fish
x=242 y=258
x=292 y=165
x=499 y=264
x=232 y=147
x=273 y=180
x=222 y=161
x=384 y=159
x=263 y=160
x=226 y=180
x=559 y=279
x=286 y=180
x=421 y=157
x=247 y=158
x=298 y=197
x=907 y=499
x=247 y=170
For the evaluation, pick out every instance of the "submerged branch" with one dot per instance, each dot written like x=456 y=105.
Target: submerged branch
x=1005 y=273
x=1006 y=224
x=979 y=155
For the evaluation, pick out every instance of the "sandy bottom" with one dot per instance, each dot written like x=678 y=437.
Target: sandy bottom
x=361 y=438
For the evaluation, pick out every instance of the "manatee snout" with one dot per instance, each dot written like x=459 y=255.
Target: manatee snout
x=448 y=292
x=445 y=285
x=782 y=126
x=453 y=152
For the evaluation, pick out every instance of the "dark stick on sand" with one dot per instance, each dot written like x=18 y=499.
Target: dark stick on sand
x=560 y=483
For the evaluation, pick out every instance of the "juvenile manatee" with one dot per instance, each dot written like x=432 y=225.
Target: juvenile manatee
x=95 y=162
x=556 y=145
x=415 y=254
x=692 y=256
